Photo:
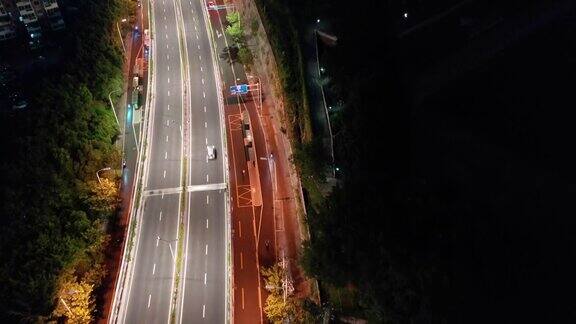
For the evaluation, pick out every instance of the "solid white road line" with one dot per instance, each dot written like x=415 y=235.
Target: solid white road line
x=168 y=107
x=207 y=178
x=168 y=122
x=164 y=17
x=202 y=80
x=165 y=26
x=165 y=155
x=168 y=93
x=168 y=80
x=197 y=36
x=203 y=94
x=149 y=298
x=157 y=240
x=206 y=141
x=154 y=269
x=207 y=203
x=166 y=138
x=200 y=57
x=206 y=222
x=206 y=249
x=168 y=67
x=204 y=108
x=201 y=69
x=166 y=36
x=164 y=173
x=205 y=125
x=160 y=217
x=205 y=278
x=241 y=261
x=167 y=56
x=239 y=229
x=203 y=311
x=196 y=29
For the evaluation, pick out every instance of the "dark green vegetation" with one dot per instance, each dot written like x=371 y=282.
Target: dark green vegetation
x=50 y=229
x=284 y=38
x=454 y=143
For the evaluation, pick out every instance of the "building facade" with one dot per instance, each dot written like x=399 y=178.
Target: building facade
x=32 y=17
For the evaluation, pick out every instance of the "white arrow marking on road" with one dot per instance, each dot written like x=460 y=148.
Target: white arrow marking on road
x=149 y=298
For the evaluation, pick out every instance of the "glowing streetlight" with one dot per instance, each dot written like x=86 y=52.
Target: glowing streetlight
x=104 y=169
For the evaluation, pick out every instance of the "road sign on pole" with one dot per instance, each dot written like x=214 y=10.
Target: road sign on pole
x=239 y=89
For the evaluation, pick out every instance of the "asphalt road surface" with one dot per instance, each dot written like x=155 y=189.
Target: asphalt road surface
x=149 y=291
x=184 y=120
x=204 y=274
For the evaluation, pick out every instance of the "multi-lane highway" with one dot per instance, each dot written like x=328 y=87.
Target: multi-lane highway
x=203 y=291
x=183 y=205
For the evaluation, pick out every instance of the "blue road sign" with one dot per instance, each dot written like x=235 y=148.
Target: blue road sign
x=239 y=89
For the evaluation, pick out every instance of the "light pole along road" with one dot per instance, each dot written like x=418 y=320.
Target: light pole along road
x=184 y=120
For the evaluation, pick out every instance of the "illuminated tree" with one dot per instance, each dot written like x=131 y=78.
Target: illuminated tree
x=103 y=198
x=273 y=277
x=75 y=302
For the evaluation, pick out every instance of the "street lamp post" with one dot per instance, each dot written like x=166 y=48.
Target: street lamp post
x=120 y=34
x=112 y=104
x=169 y=245
x=98 y=176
